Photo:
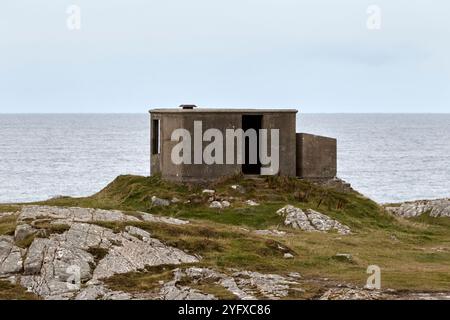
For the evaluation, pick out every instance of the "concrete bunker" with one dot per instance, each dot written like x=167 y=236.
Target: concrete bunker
x=271 y=132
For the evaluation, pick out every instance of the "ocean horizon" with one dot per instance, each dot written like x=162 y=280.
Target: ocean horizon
x=387 y=157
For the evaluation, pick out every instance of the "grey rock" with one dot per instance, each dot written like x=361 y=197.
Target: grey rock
x=216 y=205
x=135 y=254
x=275 y=233
x=63 y=215
x=352 y=294
x=225 y=204
x=295 y=218
x=435 y=208
x=343 y=257
x=172 y=291
x=158 y=202
x=10 y=256
x=272 y=286
x=175 y=200
x=288 y=255
x=23 y=231
x=251 y=203
x=55 y=267
x=244 y=285
x=100 y=292
x=295 y=275
x=169 y=220
x=138 y=233
x=310 y=220
x=238 y=188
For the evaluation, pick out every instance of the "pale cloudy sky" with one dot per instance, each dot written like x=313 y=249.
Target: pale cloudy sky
x=317 y=55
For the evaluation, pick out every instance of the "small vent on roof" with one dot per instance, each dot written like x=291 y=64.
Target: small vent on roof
x=188 y=106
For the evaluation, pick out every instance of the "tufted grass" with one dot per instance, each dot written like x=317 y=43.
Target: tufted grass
x=10 y=291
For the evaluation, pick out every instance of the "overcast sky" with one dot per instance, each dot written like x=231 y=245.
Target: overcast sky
x=317 y=55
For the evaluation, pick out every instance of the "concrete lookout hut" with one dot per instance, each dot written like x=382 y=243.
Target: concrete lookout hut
x=187 y=133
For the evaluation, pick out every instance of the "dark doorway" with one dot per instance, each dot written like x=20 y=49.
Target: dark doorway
x=156 y=147
x=251 y=122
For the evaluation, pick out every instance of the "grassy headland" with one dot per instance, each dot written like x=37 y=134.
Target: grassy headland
x=412 y=254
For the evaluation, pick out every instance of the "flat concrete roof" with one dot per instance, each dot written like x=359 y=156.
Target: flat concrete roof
x=221 y=110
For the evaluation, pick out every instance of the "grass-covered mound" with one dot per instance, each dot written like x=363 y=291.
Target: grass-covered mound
x=134 y=193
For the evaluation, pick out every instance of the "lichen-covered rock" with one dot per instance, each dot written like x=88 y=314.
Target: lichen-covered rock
x=23 y=231
x=238 y=188
x=276 y=233
x=244 y=285
x=435 y=208
x=63 y=215
x=10 y=256
x=295 y=218
x=169 y=220
x=251 y=203
x=216 y=205
x=225 y=204
x=352 y=294
x=97 y=291
x=158 y=202
x=55 y=267
x=311 y=220
x=172 y=291
x=135 y=254
x=272 y=286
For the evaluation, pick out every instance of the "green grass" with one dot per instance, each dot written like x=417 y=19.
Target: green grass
x=10 y=291
x=8 y=208
x=8 y=225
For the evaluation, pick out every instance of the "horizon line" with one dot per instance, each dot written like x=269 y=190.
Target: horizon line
x=146 y=112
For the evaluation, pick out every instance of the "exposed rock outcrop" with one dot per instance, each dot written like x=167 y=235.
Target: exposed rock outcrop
x=310 y=220
x=158 y=202
x=23 y=231
x=56 y=266
x=352 y=294
x=244 y=285
x=219 y=204
x=64 y=215
x=251 y=203
x=276 y=233
x=10 y=256
x=435 y=208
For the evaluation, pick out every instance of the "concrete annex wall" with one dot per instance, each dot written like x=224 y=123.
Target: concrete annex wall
x=316 y=156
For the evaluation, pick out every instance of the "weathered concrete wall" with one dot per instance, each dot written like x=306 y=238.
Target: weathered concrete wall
x=285 y=122
x=204 y=172
x=169 y=121
x=316 y=156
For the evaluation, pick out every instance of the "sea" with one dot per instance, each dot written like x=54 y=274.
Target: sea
x=387 y=157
